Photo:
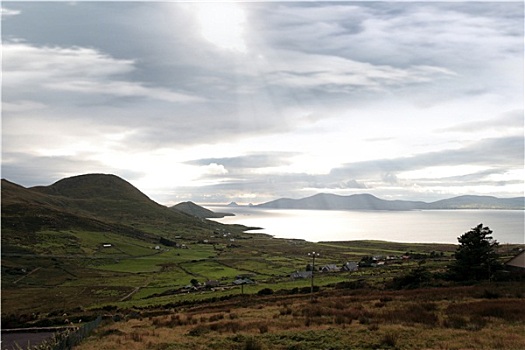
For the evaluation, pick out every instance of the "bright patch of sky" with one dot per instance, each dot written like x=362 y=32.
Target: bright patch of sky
x=252 y=101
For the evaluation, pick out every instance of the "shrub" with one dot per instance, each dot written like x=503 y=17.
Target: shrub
x=487 y=294
x=385 y=299
x=252 y=344
x=216 y=317
x=390 y=339
x=455 y=321
x=199 y=330
x=263 y=328
x=508 y=310
x=340 y=319
x=136 y=337
x=233 y=327
x=414 y=279
x=373 y=327
x=413 y=313
x=285 y=311
x=265 y=291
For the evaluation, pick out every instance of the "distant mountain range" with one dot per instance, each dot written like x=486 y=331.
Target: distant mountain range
x=325 y=201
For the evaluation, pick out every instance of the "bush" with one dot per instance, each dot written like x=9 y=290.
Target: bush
x=252 y=344
x=390 y=339
x=199 y=330
x=263 y=328
x=414 y=279
x=265 y=291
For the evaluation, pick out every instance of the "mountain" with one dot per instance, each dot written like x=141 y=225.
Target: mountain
x=92 y=203
x=198 y=211
x=479 y=202
x=324 y=201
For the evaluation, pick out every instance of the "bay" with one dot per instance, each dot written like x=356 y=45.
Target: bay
x=422 y=226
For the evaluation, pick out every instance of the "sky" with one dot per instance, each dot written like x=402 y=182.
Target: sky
x=254 y=101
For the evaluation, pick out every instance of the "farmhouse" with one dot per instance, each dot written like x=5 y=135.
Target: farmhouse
x=301 y=274
x=212 y=284
x=240 y=281
x=330 y=268
x=350 y=266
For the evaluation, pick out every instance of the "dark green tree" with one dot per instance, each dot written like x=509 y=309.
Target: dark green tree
x=476 y=256
x=194 y=282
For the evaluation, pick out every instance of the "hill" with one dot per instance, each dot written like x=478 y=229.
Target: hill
x=479 y=202
x=324 y=201
x=198 y=211
x=93 y=202
x=94 y=238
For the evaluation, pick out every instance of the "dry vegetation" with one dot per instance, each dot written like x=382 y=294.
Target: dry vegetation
x=490 y=316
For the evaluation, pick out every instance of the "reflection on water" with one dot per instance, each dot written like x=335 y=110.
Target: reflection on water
x=426 y=226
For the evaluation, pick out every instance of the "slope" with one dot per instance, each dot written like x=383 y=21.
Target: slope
x=93 y=202
x=198 y=211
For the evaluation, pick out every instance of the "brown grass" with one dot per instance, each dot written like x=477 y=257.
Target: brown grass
x=446 y=318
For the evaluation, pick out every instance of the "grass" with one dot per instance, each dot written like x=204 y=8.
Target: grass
x=337 y=319
x=75 y=263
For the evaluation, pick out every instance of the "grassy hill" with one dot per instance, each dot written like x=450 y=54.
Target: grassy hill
x=64 y=236
x=94 y=202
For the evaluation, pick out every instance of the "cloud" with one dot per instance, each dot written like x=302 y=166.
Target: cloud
x=33 y=170
x=5 y=12
x=251 y=161
x=337 y=74
x=216 y=169
x=76 y=69
x=512 y=120
x=387 y=176
x=482 y=153
x=383 y=97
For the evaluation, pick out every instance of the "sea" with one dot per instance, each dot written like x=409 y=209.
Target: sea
x=417 y=226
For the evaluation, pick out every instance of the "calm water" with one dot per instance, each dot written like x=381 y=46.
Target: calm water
x=426 y=226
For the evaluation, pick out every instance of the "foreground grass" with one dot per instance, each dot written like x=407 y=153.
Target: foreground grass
x=490 y=316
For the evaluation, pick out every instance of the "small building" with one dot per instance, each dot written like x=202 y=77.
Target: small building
x=330 y=268
x=301 y=274
x=211 y=284
x=240 y=281
x=350 y=266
